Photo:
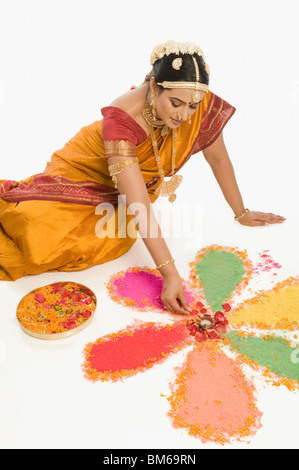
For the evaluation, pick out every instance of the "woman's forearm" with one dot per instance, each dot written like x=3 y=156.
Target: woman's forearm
x=218 y=159
x=224 y=173
x=131 y=186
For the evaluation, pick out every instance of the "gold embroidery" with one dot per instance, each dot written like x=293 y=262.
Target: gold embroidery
x=119 y=148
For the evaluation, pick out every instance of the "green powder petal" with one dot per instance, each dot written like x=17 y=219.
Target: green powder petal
x=273 y=353
x=219 y=272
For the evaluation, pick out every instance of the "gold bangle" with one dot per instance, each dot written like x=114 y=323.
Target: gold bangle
x=242 y=215
x=164 y=264
x=118 y=167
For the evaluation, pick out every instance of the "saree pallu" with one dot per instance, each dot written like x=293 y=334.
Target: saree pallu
x=48 y=221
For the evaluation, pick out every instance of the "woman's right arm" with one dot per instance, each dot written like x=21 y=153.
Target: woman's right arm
x=130 y=183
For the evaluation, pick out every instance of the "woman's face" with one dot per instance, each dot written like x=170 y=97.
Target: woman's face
x=175 y=105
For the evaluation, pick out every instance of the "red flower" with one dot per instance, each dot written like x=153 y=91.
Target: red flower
x=69 y=325
x=40 y=298
x=207 y=327
x=87 y=314
x=201 y=336
x=226 y=307
x=220 y=317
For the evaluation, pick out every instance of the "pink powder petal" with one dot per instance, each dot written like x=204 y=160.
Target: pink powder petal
x=141 y=288
x=212 y=397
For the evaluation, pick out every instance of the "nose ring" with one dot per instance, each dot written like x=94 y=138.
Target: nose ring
x=179 y=117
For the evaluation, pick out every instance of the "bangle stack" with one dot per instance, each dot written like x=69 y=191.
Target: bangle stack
x=242 y=215
x=164 y=264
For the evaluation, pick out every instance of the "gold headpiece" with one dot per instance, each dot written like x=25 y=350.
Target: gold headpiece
x=172 y=47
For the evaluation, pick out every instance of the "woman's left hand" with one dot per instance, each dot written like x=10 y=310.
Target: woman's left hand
x=253 y=218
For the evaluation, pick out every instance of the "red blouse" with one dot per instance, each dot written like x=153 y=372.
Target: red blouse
x=119 y=125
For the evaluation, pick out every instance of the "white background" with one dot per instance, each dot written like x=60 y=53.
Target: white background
x=60 y=63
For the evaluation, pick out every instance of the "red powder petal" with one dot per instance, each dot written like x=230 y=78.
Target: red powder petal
x=118 y=355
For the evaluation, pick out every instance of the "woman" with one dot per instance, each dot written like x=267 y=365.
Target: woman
x=48 y=221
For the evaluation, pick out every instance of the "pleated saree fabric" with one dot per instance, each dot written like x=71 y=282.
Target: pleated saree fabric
x=48 y=222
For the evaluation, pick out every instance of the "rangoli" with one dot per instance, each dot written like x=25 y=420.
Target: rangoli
x=213 y=397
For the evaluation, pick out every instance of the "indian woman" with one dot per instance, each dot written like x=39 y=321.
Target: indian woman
x=130 y=157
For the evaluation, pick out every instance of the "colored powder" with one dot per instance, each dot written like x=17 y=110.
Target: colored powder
x=142 y=288
x=135 y=349
x=276 y=308
x=274 y=353
x=267 y=263
x=219 y=272
x=214 y=400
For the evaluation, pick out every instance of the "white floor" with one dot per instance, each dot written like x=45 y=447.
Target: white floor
x=51 y=85
x=45 y=402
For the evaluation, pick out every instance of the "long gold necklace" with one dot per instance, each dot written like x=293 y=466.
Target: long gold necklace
x=166 y=188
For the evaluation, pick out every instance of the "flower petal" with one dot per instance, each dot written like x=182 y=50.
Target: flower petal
x=276 y=308
x=133 y=350
x=219 y=271
x=141 y=288
x=273 y=353
x=213 y=399
x=39 y=298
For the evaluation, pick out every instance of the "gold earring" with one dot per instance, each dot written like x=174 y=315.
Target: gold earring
x=153 y=105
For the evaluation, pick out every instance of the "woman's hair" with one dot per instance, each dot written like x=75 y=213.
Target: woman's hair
x=163 y=70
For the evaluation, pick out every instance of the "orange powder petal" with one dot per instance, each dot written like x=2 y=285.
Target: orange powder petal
x=213 y=399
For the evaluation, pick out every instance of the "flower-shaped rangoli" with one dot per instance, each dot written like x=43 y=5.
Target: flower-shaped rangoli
x=213 y=396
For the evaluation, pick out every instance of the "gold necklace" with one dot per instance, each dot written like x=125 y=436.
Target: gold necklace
x=152 y=121
x=166 y=188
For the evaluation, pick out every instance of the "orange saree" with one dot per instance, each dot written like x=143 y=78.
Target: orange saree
x=48 y=221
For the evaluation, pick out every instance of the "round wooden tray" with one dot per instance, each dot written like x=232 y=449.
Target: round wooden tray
x=72 y=302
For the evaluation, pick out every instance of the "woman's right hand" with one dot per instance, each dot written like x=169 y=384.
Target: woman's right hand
x=173 y=295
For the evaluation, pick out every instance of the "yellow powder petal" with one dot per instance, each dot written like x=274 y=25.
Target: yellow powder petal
x=276 y=308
